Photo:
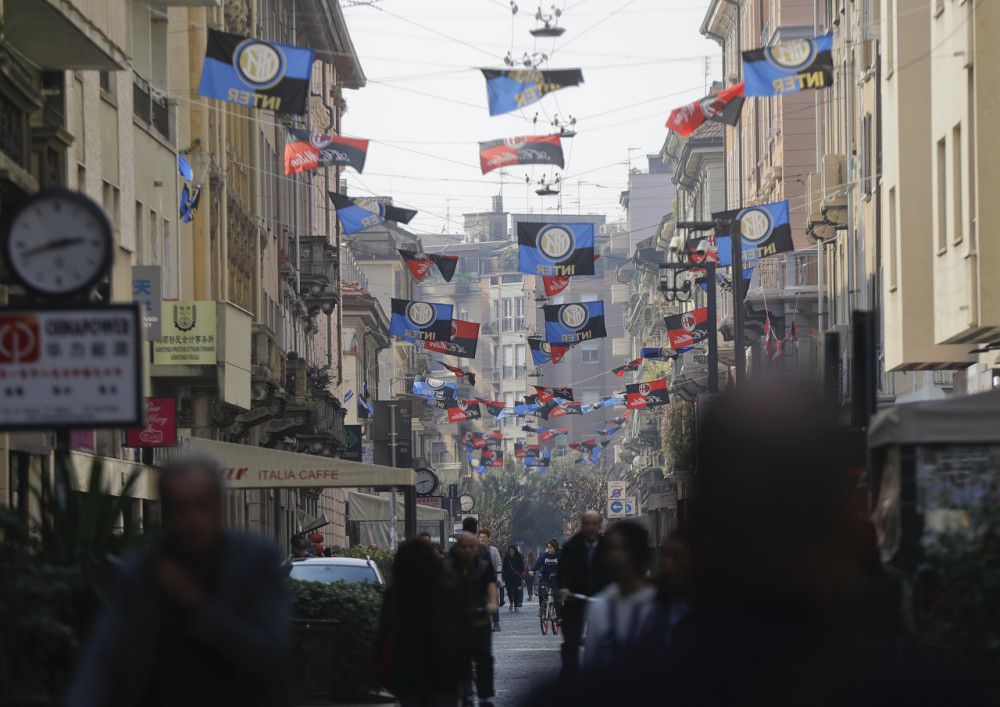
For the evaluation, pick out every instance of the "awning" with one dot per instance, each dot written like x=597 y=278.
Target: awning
x=115 y=472
x=249 y=467
x=965 y=419
x=365 y=506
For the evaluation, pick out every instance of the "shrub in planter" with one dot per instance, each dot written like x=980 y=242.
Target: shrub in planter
x=342 y=651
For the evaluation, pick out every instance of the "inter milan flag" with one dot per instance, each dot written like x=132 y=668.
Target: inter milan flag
x=556 y=249
x=420 y=321
x=547 y=393
x=435 y=388
x=656 y=352
x=630 y=366
x=687 y=329
x=555 y=285
x=531 y=149
x=789 y=67
x=469 y=376
x=510 y=89
x=493 y=407
x=252 y=72
x=356 y=215
x=462 y=410
x=306 y=151
x=419 y=264
x=573 y=323
x=646 y=395
x=461 y=343
x=544 y=352
x=765 y=231
x=724 y=107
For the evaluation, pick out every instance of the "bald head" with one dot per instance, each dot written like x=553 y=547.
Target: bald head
x=590 y=524
x=466 y=547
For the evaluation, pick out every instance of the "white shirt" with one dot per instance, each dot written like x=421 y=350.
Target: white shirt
x=614 y=622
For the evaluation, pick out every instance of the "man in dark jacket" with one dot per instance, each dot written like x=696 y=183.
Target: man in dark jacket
x=476 y=583
x=199 y=619
x=579 y=573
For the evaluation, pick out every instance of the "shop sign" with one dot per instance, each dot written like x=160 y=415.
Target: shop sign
x=189 y=335
x=161 y=425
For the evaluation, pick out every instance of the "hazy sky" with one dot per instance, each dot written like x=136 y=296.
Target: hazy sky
x=425 y=102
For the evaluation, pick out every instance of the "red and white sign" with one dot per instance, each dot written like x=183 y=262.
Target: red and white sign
x=161 y=425
x=432 y=501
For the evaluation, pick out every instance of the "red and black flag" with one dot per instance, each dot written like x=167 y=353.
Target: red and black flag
x=305 y=151
x=723 y=107
x=687 y=329
x=550 y=434
x=469 y=376
x=544 y=352
x=554 y=411
x=530 y=149
x=493 y=407
x=462 y=410
x=523 y=450
x=555 y=285
x=574 y=445
x=419 y=264
x=547 y=393
x=491 y=457
x=462 y=343
x=630 y=366
x=646 y=395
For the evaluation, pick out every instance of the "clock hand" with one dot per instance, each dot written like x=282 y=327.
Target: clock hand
x=53 y=245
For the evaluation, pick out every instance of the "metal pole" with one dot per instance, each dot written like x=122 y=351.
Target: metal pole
x=739 y=350
x=713 y=340
x=392 y=494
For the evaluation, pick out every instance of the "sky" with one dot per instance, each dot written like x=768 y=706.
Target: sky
x=424 y=106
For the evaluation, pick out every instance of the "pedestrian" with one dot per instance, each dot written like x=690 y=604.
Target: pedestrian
x=422 y=656
x=616 y=615
x=476 y=582
x=513 y=574
x=528 y=578
x=580 y=573
x=200 y=618
x=300 y=550
x=673 y=594
x=484 y=540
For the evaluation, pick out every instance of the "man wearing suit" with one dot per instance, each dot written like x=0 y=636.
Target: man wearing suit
x=580 y=572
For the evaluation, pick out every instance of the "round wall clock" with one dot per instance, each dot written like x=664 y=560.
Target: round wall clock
x=427 y=481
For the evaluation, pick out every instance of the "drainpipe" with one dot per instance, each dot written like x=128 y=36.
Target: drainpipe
x=820 y=260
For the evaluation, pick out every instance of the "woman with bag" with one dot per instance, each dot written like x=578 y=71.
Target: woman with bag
x=513 y=575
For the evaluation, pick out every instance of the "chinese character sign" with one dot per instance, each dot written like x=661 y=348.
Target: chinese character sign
x=189 y=334
x=147 y=293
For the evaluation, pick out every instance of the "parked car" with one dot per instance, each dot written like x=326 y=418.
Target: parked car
x=336 y=569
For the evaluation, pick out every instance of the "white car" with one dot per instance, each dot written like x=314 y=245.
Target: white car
x=336 y=569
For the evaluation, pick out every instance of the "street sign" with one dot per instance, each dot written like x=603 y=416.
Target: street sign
x=432 y=501
x=70 y=367
x=616 y=509
x=353 y=443
x=148 y=294
x=631 y=506
x=616 y=489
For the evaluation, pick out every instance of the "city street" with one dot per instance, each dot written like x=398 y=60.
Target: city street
x=525 y=658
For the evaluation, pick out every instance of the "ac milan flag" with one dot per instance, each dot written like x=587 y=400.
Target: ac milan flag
x=555 y=285
x=462 y=342
x=632 y=365
x=550 y=434
x=306 y=151
x=544 y=352
x=419 y=264
x=547 y=393
x=531 y=149
x=469 y=376
x=687 y=329
x=646 y=395
x=493 y=407
x=462 y=410
x=724 y=107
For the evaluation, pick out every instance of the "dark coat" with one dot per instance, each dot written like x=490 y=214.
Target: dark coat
x=573 y=572
x=513 y=569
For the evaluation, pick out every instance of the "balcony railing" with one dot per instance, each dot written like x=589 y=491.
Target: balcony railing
x=151 y=108
x=789 y=274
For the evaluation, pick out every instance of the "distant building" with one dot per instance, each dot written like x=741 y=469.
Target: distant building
x=647 y=200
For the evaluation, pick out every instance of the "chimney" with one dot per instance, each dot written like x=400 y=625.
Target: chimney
x=498 y=204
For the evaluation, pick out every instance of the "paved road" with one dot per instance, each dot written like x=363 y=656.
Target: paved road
x=524 y=657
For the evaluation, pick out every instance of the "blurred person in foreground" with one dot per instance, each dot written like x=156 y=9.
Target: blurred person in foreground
x=778 y=585
x=580 y=573
x=673 y=595
x=476 y=584
x=422 y=656
x=616 y=615
x=202 y=618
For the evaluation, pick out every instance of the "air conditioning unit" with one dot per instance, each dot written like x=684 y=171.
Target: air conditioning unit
x=814 y=193
x=835 y=181
x=620 y=294
x=621 y=347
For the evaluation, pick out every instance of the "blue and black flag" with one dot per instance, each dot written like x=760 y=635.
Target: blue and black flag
x=252 y=72
x=435 y=389
x=765 y=231
x=510 y=89
x=789 y=67
x=573 y=323
x=358 y=214
x=556 y=249
x=420 y=321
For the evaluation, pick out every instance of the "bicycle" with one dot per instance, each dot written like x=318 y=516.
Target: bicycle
x=548 y=611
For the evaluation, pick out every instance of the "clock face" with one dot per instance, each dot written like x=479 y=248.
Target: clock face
x=59 y=244
x=467 y=503
x=426 y=482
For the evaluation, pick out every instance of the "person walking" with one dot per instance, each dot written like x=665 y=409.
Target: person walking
x=673 y=595
x=513 y=574
x=422 y=654
x=615 y=616
x=580 y=572
x=476 y=583
x=200 y=618
x=484 y=539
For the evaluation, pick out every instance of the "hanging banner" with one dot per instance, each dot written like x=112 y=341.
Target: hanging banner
x=462 y=410
x=510 y=89
x=355 y=214
x=765 y=231
x=555 y=285
x=687 y=329
x=544 y=352
x=252 y=72
x=419 y=264
x=189 y=334
x=147 y=292
x=531 y=149
x=724 y=107
x=789 y=67
x=547 y=393
x=468 y=376
x=646 y=395
x=420 y=321
x=306 y=151
x=435 y=388
x=493 y=407
x=555 y=249
x=628 y=367
x=461 y=343
x=573 y=323
x=161 y=425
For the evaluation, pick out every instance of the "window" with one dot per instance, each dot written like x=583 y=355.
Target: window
x=508 y=361
x=590 y=352
x=942 y=197
x=496 y=362
x=513 y=314
x=522 y=357
x=893 y=262
x=956 y=180
x=867 y=185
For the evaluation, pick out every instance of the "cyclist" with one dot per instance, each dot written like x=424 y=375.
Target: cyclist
x=548 y=565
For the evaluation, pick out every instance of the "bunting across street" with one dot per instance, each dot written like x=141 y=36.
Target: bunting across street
x=544 y=352
x=573 y=323
x=789 y=67
x=357 y=214
x=723 y=107
x=306 y=151
x=462 y=341
x=510 y=89
x=435 y=388
x=528 y=149
x=646 y=395
x=493 y=407
x=419 y=264
x=547 y=393
x=555 y=285
x=462 y=410
x=468 y=376
x=555 y=249
x=632 y=365
x=420 y=321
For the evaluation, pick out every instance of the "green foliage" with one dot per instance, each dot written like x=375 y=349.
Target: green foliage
x=354 y=609
x=381 y=558
x=680 y=442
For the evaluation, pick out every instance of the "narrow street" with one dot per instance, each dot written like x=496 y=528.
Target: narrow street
x=525 y=658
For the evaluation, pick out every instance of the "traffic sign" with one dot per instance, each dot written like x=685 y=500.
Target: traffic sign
x=616 y=489
x=616 y=509
x=631 y=506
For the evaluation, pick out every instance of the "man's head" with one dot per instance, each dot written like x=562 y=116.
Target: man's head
x=627 y=551
x=484 y=536
x=466 y=548
x=300 y=546
x=470 y=525
x=590 y=525
x=424 y=536
x=191 y=497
